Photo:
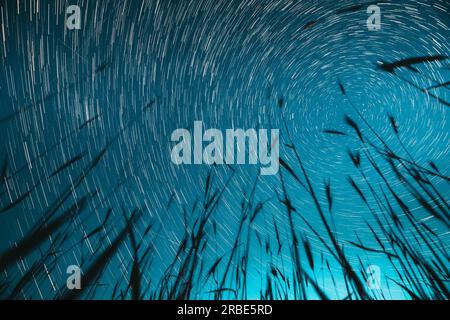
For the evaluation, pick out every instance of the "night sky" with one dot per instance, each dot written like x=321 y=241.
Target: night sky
x=141 y=69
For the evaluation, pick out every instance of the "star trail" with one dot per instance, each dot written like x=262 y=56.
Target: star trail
x=86 y=120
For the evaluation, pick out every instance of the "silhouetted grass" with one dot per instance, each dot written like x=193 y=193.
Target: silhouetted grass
x=289 y=262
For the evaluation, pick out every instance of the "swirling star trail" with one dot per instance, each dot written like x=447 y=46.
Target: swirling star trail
x=87 y=115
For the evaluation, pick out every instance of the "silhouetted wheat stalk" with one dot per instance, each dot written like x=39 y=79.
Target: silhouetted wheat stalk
x=190 y=275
